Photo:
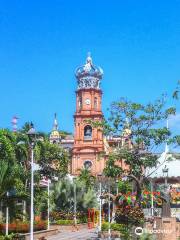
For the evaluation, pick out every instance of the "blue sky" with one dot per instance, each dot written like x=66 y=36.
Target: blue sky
x=137 y=43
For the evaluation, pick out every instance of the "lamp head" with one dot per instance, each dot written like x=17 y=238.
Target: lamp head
x=32 y=133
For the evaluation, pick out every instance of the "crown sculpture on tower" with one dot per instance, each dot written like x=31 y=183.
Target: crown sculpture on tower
x=89 y=75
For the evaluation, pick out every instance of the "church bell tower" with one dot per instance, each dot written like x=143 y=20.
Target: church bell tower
x=88 y=141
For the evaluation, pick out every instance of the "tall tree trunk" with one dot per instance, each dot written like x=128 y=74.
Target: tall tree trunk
x=138 y=184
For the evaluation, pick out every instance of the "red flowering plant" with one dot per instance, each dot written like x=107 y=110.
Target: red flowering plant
x=23 y=227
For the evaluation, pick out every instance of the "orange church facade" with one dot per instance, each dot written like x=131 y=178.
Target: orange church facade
x=88 y=141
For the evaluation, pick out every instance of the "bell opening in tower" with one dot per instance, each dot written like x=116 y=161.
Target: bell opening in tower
x=88 y=132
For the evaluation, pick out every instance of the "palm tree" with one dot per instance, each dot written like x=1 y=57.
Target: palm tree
x=63 y=195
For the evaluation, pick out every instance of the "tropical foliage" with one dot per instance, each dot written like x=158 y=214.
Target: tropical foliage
x=51 y=161
x=63 y=195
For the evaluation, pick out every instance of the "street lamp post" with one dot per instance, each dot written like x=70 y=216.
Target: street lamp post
x=7 y=217
x=109 y=212
x=32 y=193
x=32 y=135
x=100 y=202
x=152 y=199
x=48 y=188
x=100 y=207
x=75 y=203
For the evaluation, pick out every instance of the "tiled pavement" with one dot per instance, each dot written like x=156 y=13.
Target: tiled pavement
x=84 y=234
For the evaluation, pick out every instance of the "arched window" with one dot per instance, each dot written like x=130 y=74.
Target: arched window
x=87 y=132
x=95 y=102
x=87 y=164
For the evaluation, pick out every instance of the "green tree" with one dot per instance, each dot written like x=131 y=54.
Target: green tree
x=7 y=162
x=52 y=158
x=11 y=185
x=15 y=166
x=142 y=133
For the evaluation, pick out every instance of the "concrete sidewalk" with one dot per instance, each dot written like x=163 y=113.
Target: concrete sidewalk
x=83 y=234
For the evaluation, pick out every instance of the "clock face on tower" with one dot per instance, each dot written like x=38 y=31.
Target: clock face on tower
x=87 y=101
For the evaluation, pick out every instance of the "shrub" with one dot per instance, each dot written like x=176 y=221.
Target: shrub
x=117 y=227
x=82 y=219
x=114 y=226
x=9 y=237
x=105 y=226
x=81 y=216
x=65 y=222
x=67 y=216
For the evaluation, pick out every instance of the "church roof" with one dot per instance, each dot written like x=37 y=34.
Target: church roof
x=170 y=161
x=69 y=137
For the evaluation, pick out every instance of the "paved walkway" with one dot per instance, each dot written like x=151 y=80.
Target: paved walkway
x=84 y=234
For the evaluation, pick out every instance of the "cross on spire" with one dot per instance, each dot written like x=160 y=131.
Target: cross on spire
x=55 y=125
